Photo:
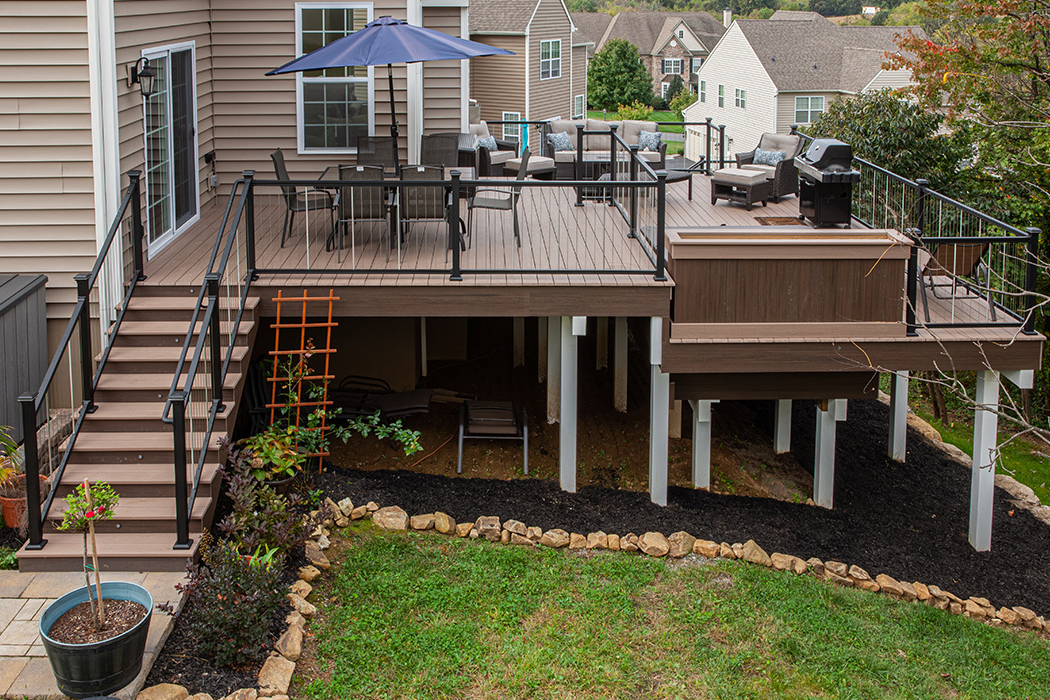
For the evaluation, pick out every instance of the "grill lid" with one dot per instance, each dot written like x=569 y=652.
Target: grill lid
x=828 y=154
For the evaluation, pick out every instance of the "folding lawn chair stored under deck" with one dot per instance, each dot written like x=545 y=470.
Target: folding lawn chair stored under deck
x=492 y=420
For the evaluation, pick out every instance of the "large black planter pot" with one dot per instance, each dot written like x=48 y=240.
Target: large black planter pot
x=100 y=668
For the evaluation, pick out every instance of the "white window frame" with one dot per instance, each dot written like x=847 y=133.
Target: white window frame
x=299 y=116
x=703 y=91
x=740 y=98
x=674 y=64
x=809 y=108
x=511 y=132
x=663 y=90
x=553 y=62
x=579 y=106
x=695 y=62
x=721 y=95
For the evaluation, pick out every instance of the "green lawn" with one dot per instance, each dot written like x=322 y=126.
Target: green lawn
x=425 y=616
x=663 y=116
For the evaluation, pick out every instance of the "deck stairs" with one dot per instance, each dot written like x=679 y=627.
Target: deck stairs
x=125 y=443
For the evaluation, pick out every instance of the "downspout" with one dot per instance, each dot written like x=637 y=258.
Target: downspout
x=105 y=146
x=464 y=73
x=414 y=98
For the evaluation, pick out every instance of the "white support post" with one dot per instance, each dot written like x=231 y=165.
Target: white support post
x=659 y=397
x=519 y=341
x=541 y=346
x=898 y=445
x=828 y=413
x=985 y=446
x=620 y=365
x=601 y=355
x=553 y=368
x=423 y=345
x=782 y=427
x=702 y=443
x=569 y=384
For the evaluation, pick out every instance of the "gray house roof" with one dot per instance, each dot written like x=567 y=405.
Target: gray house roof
x=591 y=24
x=646 y=30
x=813 y=54
x=501 y=16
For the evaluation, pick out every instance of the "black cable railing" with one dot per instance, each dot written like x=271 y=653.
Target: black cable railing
x=79 y=324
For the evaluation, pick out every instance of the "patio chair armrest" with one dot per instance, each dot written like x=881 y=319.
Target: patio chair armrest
x=745 y=158
x=493 y=189
x=505 y=145
x=323 y=173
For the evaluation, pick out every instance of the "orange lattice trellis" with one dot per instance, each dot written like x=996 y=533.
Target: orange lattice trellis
x=304 y=351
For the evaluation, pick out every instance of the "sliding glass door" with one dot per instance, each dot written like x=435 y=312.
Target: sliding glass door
x=172 y=197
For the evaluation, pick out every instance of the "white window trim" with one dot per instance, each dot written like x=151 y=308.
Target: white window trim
x=694 y=67
x=299 y=135
x=672 y=61
x=721 y=95
x=164 y=241
x=582 y=111
x=702 y=91
x=663 y=90
x=809 y=110
x=512 y=117
x=550 y=60
x=740 y=98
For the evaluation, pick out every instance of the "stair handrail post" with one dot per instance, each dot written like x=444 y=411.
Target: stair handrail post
x=661 y=218
x=920 y=205
x=721 y=145
x=912 y=280
x=215 y=347
x=182 y=517
x=634 y=190
x=1031 y=278
x=87 y=382
x=137 y=231
x=249 y=221
x=453 y=226
x=612 y=164
x=31 y=458
x=707 y=146
x=578 y=164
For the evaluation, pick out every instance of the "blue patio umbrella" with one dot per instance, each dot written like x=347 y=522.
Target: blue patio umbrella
x=388 y=40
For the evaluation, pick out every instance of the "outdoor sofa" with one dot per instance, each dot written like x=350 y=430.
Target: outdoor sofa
x=597 y=145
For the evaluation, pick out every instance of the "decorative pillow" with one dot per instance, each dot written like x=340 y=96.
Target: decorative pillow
x=488 y=142
x=561 y=141
x=768 y=157
x=649 y=140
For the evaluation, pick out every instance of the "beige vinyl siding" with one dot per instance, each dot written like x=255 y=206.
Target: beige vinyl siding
x=142 y=25
x=498 y=82
x=579 y=73
x=47 y=219
x=552 y=97
x=442 y=104
x=786 y=108
x=889 y=79
x=734 y=64
x=255 y=114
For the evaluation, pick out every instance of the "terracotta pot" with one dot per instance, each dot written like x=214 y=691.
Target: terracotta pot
x=14 y=508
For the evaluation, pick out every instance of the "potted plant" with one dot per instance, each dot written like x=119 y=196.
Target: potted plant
x=13 y=481
x=274 y=456
x=95 y=636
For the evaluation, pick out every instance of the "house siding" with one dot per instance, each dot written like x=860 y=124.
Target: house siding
x=552 y=97
x=442 y=106
x=735 y=65
x=498 y=82
x=579 y=74
x=786 y=108
x=889 y=79
x=47 y=219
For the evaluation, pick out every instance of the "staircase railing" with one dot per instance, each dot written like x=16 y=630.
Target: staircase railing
x=80 y=325
x=196 y=397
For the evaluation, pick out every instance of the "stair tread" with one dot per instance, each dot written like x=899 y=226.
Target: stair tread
x=160 y=474
x=150 y=380
x=164 y=353
x=135 y=410
x=111 y=545
x=143 y=508
x=125 y=442
x=130 y=327
x=180 y=302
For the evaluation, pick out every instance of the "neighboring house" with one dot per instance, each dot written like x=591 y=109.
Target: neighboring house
x=669 y=43
x=765 y=75
x=547 y=76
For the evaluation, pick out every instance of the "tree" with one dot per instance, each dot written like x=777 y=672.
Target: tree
x=616 y=77
x=674 y=88
x=835 y=8
x=898 y=135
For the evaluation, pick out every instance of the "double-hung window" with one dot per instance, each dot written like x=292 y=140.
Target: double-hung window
x=741 y=98
x=550 y=59
x=334 y=106
x=721 y=95
x=663 y=90
x=703 y=91
x=579 y=104
x=696 y=63
x=512 y=132
x=672 y=66
x=808 y=109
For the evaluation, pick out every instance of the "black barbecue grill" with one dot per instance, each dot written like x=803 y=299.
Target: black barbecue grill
x=826 y=178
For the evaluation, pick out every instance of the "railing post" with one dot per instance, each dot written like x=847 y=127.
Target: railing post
x=182 y=516
x=249 y=221
x=721 y=145
x=134 y=186
x=32 y=471
x=215 y=347
x=453 y=226
x=1031 y=278
x=612 y=163
x=661 y=216
x=920 y=214
x=913 y=280
x=87 y=383
x=794 y=129
x=707 y=147
x=634 y=190
x=578 y=164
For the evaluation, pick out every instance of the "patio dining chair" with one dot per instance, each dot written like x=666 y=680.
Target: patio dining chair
x=499 y=199
x=377 y=150
x=297 y=200
x=360 y=204
x=955 y=272
x=440 y=150
x=420 y=202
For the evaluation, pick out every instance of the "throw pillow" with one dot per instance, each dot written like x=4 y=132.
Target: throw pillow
x=768 y=157
x=561 y=141
x=649 y=140
x=488 y=142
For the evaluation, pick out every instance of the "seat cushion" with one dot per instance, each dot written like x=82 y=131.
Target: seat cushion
x=790 y=144
x=769 y=170
x=650 y=156
x=567 y=125
x=481 y=130
x=565 y=156
x=536 y=163
x=630 y=129
x=738 y=176
x=500 y=157
x=597 y=142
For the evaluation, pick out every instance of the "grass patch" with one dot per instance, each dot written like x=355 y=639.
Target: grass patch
x=658 y=116
x=422 y=616
x=8 y=559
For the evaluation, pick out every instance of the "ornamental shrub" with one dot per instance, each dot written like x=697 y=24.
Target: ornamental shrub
x=682 y=100
x=636 y=110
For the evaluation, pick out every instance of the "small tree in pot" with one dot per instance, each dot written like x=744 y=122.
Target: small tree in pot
x=85 y=507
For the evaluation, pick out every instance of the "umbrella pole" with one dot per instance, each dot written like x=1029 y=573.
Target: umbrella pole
x=393 y=114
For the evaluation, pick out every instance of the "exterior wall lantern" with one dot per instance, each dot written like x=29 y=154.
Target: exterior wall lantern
x=143 y=75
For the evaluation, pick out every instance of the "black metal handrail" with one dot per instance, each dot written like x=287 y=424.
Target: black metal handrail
x=79 y=321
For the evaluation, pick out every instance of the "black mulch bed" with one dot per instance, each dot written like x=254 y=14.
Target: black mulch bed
x=906 y=520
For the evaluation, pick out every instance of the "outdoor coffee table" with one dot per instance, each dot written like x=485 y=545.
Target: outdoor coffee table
x=742 y=186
